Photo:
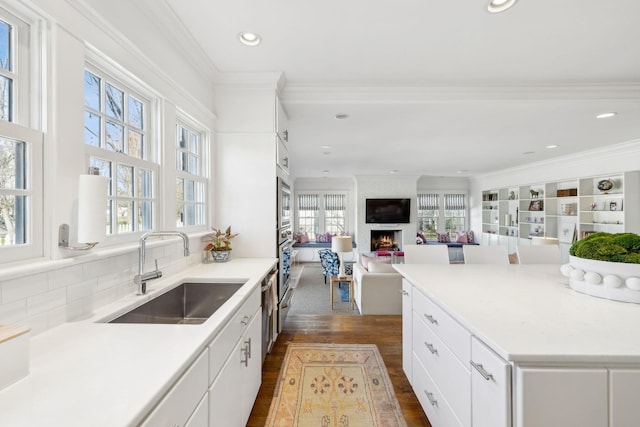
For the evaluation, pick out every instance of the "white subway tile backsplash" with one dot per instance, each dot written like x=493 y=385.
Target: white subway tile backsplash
x=49 y=298
x=24 y=287
x=47 y=301
x=64 y=277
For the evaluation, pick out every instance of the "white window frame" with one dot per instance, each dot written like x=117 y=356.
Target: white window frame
x=112 y=73
x=203 y=177
x=26 y=106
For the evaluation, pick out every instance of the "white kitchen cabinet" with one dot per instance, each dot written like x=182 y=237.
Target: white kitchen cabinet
x=561 y=397
x=282 y=121
x=200 y=417
x=490 y=387
x=407 y=332
x=236 y=375
x=623 y=397
x=183 y=398
x=431 y=398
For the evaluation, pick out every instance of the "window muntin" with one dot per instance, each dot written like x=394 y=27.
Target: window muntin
x=191 y=179
x=115 y=125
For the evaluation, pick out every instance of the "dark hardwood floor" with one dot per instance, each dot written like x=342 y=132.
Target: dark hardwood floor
x=384 y=331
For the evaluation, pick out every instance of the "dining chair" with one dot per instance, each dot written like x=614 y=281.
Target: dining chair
x=482 y=254
x=539 y=254
x=426 y=254
x=330 y=263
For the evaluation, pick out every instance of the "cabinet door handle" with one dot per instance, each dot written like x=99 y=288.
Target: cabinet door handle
x=404 y=292
x=433 y=401
x=248 y=343
x=431 y=348
x=431 y=319
x=245 y=320
x=245 y=361
x=486 y=375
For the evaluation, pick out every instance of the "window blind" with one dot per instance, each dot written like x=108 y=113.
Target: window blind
x=428 y=202
x=335 y=202
x=308 y=202
x=454 y=202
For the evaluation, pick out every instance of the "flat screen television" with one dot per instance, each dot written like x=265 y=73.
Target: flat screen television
x=387 y=211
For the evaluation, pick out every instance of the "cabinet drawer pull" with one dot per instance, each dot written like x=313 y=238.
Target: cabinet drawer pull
x=245 y=352
x=433 y=401
x=404 y=292
x=245 y=320
x=486 y=375
x=431 y=319
x=431 y=348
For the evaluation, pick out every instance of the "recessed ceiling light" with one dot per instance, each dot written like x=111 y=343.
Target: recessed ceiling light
x=325 y=147
x=394 y=171
x=552 y=146
x=606 y=115
x=325 y=171
x=341 y=116
x=249 y=39
x=496 y=6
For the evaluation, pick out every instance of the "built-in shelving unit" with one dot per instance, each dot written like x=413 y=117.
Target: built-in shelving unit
x=566 y=209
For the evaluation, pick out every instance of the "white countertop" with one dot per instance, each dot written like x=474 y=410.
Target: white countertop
x=527 y=313
x=88 y=373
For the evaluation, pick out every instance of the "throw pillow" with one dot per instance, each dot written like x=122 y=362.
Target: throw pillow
x=381 y=267
x=443 y=238
x=422 y=238
x=462 y=237
x=470 y=236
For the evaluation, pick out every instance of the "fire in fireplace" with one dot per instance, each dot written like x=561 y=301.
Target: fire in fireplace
x=385 y=240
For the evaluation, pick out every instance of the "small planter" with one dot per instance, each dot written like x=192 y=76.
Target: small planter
x=220 y=256
x=611 y=280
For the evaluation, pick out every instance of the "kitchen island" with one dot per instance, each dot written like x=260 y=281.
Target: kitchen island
x=503 y=345
x=91 y=373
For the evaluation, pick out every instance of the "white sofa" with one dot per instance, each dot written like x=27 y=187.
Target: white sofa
x=377 y=292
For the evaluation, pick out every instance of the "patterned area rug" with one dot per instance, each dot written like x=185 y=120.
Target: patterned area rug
x=334 y=385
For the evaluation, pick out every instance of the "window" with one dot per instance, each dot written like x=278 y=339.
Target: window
x=191 y=181
x=454 y=214
x=20 y=146
x=308 y=213
x=441 y=213
x=428 y=214
x=320 y=212
x=117 y=141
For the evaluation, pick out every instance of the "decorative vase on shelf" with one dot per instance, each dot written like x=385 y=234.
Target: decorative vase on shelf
x=220 y=256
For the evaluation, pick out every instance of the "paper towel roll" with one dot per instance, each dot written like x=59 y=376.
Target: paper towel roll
x=92 y=207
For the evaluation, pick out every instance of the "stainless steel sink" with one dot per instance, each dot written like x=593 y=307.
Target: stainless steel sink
x=189 y=304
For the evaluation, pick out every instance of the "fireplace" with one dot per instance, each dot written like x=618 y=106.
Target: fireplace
x=386 y=240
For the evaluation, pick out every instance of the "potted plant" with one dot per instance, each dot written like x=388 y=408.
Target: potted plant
x=218 y=243
x=606 y=265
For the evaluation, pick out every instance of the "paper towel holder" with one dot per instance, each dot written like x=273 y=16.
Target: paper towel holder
x=63 y=230
x=63 y=240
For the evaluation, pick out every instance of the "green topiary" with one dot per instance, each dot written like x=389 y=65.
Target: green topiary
x=622 y=247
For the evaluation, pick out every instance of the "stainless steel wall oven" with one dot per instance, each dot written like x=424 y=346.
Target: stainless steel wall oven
x=285 y=243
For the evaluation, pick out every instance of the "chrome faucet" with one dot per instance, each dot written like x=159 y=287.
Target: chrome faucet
x=142 y=278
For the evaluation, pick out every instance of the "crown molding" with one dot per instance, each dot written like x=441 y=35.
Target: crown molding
x=269 y=80
x=296 y=93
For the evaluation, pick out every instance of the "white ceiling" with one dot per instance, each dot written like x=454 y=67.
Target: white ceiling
x=440 y=88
